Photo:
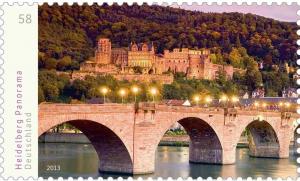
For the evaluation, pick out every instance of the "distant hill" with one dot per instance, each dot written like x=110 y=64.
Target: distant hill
x=73 y=31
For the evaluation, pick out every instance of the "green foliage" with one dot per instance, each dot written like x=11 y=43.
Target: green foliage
x=51 y=86
x=235 y=58
x=49 y=64
x=41 y=96
x=183 y=88
x=275 y=82
x=68 y=36
x=251 y=79
x=176 y=132
x=64 y=64
x=73 y=31
x=90 y=87
x=58 y=88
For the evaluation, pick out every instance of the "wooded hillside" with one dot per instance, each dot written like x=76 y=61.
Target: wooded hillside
x=73 y=30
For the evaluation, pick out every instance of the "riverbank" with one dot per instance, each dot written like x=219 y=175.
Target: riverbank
x=167 y=140
x=183 y=140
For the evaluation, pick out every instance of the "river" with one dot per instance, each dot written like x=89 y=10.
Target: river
x=74 y=160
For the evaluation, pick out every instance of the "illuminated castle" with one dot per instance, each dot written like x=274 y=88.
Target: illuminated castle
x=141 y=59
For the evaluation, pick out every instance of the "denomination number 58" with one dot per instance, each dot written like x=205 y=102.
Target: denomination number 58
x=25 y=18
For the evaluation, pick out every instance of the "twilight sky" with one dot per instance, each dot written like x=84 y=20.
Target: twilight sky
x=279 y=12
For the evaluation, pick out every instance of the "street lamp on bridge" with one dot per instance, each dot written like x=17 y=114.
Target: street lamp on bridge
x=122 y=93
x=256 y=105
x=264 y=105
x=104 y=91
x=224 y=99
x=234 y=100
x=197 y=99
x=153 y=92
x=280 y=105
x=284 y=106
x=208 y=100
x=287 y=105
x=135 y=89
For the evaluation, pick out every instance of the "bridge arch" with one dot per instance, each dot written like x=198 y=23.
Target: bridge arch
x=262 y=138
x=111 y=151
x=205 y=145
x=110 y=134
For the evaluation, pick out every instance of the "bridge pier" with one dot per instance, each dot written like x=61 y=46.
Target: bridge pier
x=198 y=154
x=229 y=155
x=205 y=146
x=113 y=160
x=284 y=140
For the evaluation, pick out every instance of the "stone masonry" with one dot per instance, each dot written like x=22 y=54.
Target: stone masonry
x=126 y=136
x=195 y=64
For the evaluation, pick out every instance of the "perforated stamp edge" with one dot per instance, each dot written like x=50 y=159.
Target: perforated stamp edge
x=130 y=2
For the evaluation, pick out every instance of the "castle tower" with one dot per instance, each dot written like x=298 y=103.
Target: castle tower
x=103 y=52
x=145 y=47
x=194 y=68
x=200 y=66
x=206 y=65
x=134 y=47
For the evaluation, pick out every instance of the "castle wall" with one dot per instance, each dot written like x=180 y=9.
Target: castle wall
x=163 y=78
x=227 y=68
x=140 y=58
x=177 y=60
x=99 y=68
x=119 y=56
x=215 y=69
x=196 y=63
x=160 y=65
x=229 y=71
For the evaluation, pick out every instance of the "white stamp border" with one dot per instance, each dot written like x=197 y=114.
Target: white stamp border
x=130 y=2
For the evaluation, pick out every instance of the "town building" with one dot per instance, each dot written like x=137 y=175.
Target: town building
x=290 y=93
x=141 y=59
x=258 y=93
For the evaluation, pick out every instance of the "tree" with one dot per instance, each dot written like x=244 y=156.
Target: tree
x=50 y=64
x=51 y=92
x=221 y=77
x=226 y=44
x=253 y=78
x=238 y=42
x=213 y=58
x=171 y=91
x=235 y=58
x=41 y=97
x=64 y=64
x=51 y=86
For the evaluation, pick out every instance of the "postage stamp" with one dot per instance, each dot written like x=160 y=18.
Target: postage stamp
x=118 y=90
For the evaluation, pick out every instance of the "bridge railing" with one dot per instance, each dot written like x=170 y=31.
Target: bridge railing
x=114 y=107
x=84 y=108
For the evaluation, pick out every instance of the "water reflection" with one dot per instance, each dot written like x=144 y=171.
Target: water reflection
x=81 y=160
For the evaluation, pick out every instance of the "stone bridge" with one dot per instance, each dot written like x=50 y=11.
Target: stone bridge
x=126 y=136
